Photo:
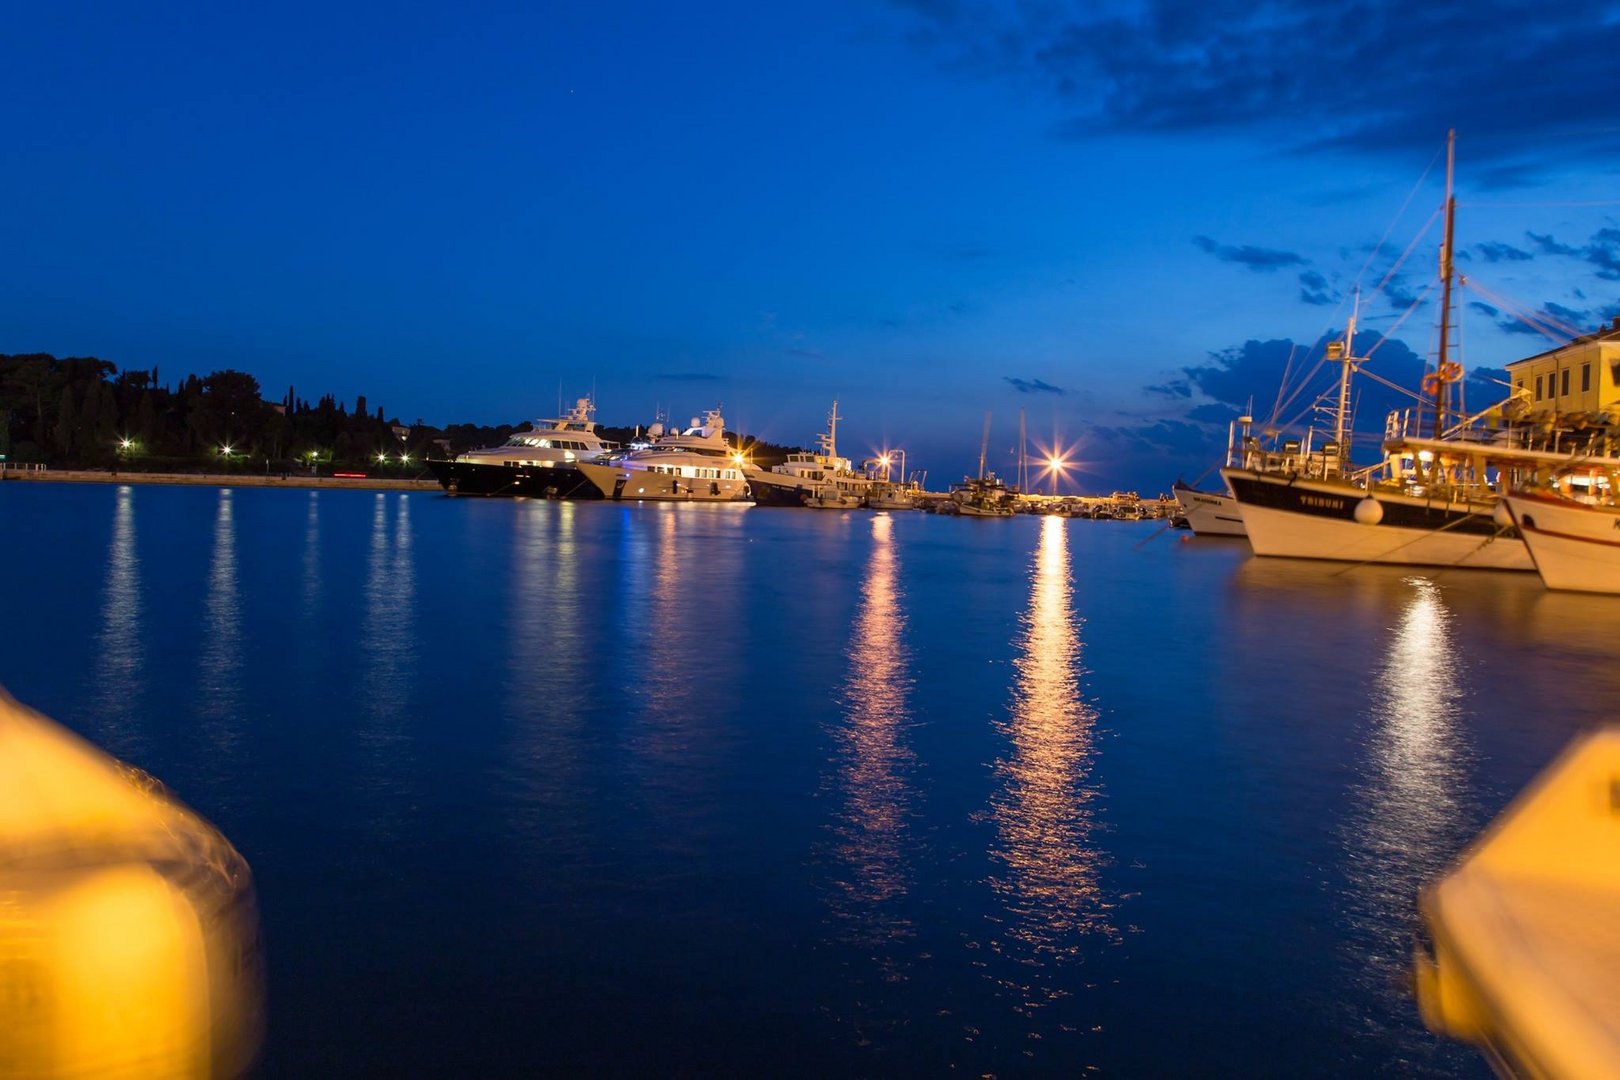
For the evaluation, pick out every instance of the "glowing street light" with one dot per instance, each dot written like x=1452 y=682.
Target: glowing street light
x=1055 y=464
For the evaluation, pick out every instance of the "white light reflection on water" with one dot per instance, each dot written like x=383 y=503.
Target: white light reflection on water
x=1051 y=897
x=546 y=667
x=220 y=669
x=312 y=557
x=874 y=763
x=121 y=654
x=388 y=645
x=1411 y=818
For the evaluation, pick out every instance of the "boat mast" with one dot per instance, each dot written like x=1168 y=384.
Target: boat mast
x=984 y=443
x=1341 y=411
x=1023 y=454
x=1442 y=389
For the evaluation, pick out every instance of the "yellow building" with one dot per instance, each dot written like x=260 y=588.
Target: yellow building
x=1583 y=376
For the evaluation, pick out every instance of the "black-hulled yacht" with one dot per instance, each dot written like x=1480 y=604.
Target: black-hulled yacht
x=540 y=463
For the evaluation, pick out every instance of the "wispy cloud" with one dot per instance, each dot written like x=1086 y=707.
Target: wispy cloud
x=1494 y=251
x=1601 y=252
x=1033 y=386
x=1381 y=78
x=1314 y=289
x=1255 y=258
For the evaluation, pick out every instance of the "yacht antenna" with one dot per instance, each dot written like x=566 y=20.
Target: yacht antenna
x=832 y=430
x=984 y=443
x=1023 y=454
x=1442 y=388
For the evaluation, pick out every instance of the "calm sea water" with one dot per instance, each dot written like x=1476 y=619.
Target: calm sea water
x=595 y=788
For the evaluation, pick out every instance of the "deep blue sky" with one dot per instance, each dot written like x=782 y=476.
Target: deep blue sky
x=926 y=209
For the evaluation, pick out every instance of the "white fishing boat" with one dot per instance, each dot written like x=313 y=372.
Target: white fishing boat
x=1430 y=502
x=1575 y=545
x=820 y=478
x=1209 y=513
x=697 y=464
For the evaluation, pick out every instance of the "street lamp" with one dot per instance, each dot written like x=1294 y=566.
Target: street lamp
x=1055 y=465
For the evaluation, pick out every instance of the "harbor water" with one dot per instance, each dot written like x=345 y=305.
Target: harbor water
x=549 y=787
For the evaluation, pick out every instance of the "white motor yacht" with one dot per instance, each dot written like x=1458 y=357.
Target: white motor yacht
x=697 y=464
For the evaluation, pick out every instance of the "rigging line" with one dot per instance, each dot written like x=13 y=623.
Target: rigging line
x=1536 y=206
x=1395 y=268
x=1396 y=325
x=1277 y=406
x=1400 y=214
x=1539 y=320
x=1408 y=391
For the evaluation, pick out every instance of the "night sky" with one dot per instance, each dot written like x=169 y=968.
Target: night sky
x=1119 y=217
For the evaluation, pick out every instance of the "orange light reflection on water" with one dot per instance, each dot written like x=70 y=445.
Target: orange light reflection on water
x=1043 y=812
x=874 y=762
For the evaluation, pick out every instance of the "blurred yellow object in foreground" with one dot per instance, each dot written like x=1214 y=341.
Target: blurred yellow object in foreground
x=129 y=941
x=1526 y=928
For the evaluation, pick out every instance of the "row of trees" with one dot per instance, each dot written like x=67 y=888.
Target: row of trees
x=83 y=412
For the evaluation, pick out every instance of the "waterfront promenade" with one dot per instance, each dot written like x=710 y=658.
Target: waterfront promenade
x=230 y=479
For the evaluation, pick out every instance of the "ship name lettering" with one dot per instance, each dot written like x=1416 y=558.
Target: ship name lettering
x=1322 y=502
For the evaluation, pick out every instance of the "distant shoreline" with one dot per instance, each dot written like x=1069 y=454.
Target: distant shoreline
x=272 y=480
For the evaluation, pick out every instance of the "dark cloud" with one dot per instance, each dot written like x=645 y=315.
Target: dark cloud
x=1213 y=413
x=1364 y=75
x=1175 y=388
x=1601 y=252
x=1493 y=251
x=1483 y=308
x=1486 y=386
x=1314 y=289
x=1399 y=293
x=1255 y=258
x=1560 y=319
x=970 y=252
x=686 y=376
x=959 y=307
x=1034 y=386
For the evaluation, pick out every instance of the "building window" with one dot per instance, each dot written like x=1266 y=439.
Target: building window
x=1538 y=387
x=1563 y=383
x=1586 y=377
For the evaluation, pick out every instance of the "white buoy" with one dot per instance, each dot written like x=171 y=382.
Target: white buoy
x=1502 y=515
x=1369 y=511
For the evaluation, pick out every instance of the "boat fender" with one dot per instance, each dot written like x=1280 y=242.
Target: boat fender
x=1369 y=511
x=1502 y=515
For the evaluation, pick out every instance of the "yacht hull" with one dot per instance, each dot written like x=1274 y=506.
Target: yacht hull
x=770 y=491
x=1290 y=517
x=530 y=481
x=1576 y=547
x=1209 y=514
x=629 y=485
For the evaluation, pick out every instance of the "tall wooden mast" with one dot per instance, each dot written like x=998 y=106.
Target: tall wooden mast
x=1442 y=389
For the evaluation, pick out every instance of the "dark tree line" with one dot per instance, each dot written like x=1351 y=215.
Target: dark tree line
x=83 y=412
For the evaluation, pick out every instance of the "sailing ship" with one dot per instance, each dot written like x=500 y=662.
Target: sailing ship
x=1430 y=502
